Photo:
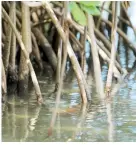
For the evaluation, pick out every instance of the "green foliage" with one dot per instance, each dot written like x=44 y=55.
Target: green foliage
x=90 y=3
x=79 y=9
x=78 y=14
x=90 y=10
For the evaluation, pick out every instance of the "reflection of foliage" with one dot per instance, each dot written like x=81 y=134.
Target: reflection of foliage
x=79 y=9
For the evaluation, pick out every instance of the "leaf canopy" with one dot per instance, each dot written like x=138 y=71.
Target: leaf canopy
x=90 y=3
x=90 y=10
x=77 y=13
x=78 y=10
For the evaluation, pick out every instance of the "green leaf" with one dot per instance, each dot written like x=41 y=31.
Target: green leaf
x=90 y=10
x=77 y=14
x=90 y=3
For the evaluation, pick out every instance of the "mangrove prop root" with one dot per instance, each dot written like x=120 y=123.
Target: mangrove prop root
x=69 y=49
x=33 y=75
x=83 y=41
x=123 y=35
x=26 y=38
x=43 y=42
x=36 y=52
x=113 y=48
x=13 y=43
x=95 y=58
x=6 y=50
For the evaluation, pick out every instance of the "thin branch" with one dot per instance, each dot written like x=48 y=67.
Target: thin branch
x=73 y=37
x=134 y=29
x=121 y=18
x=123 y=35
x=99 y=20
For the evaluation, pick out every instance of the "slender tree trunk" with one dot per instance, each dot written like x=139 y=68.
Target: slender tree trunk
x=22 y=46
x=83 y=51
x=113 y=50
x=6 y=50
x=95 y=57
x=12 y=73
x=26 y=37
x=76 y=67
x=13 y=42
x=59 y=57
